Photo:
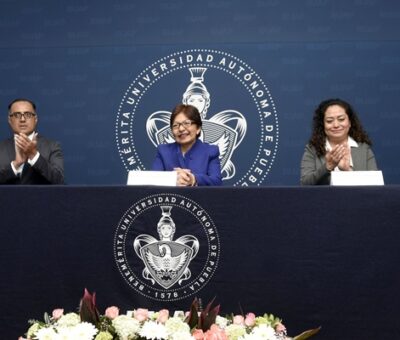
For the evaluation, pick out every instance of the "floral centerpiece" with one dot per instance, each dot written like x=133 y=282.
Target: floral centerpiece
x=141 y=324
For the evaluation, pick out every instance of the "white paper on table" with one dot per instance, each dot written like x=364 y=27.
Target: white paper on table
x=357 y=178
x=161 y=178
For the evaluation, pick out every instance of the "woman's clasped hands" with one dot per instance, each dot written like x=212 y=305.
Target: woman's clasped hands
x=338 y=156
x=184 y=177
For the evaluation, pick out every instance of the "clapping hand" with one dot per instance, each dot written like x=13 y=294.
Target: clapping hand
x=20 y=156
x=339 y=157
x=26 y=146
x=344 y=163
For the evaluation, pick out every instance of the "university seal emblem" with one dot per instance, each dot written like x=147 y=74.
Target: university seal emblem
x=166 y=261
x=226 y=129
x=237 y=109
x=179 y=234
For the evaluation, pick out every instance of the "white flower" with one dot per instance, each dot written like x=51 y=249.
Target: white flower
x=46 y=334
x=64 y=333
x=250 y=337
x=153 y=330
x=234 y=332
x=84 y=331
x=261 y=332
x=179 y=314
x=81 y=331
x=126 y=327
x=181 y=336
x=175 y=325
x=68 y=320
x=221 y=322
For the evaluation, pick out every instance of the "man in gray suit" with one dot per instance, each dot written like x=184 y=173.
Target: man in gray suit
x=29 y=158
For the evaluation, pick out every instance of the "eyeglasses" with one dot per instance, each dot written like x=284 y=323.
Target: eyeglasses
x=185 y=124
x=18 y=115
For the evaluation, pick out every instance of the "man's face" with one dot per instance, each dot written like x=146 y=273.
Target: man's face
x=23 y=124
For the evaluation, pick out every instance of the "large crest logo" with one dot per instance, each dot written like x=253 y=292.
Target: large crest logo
x=243 y=121
x=166 y=261
x=156 y=263
x=226 y=129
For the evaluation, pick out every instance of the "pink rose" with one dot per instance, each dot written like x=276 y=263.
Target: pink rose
x=238 y=320
x=163 y=315
x=141 y=314
x=280 y=328
x=57 y=313
x=215 y=333
x=112 y=312
x=198 y=334
x=250 y=320
x=21 y=338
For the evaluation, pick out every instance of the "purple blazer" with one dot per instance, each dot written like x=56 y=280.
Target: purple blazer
x=202 y=159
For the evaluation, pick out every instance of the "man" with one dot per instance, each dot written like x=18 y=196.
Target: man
x=29 y=158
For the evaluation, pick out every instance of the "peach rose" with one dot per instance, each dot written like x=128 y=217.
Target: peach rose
x=57 y=313
x=163 y=315
x=141 y=314
x=215 y=333
x=250 y=320
x=198 y=334
x=112 y=312
x=238 y=320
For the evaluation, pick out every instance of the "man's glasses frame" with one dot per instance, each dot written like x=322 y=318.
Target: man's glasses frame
x=18 y=115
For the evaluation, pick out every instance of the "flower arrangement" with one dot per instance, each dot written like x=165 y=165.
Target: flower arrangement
x=141 y=324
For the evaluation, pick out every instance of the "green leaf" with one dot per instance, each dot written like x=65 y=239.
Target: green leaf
x=307 y=334
x=46 y=318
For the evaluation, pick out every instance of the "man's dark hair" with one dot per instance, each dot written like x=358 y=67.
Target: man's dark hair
x=21 y=100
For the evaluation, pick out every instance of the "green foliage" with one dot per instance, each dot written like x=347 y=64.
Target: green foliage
x=268 y=319
x=307 y=334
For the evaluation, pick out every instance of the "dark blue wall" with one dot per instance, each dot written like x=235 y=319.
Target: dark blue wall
x=77 y=59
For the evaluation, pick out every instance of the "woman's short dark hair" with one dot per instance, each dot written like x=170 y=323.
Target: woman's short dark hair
x=21 y=100
x=189 y=111
x=318 y=136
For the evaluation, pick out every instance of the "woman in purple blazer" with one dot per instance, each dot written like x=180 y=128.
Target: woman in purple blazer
x=195 y=162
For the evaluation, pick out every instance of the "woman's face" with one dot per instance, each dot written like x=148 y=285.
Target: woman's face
x=336 y=124
x=198 y=101
x=184 y=130
x=166 y=230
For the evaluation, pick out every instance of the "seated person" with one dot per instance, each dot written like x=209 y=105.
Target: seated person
x=29 y=158
x=338 y=143
x=195 y=162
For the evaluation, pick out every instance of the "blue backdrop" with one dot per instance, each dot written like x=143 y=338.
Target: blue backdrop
x=79 y=59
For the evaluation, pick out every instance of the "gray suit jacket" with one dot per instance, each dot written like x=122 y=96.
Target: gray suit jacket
x=48 y=169
x=313 y=169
